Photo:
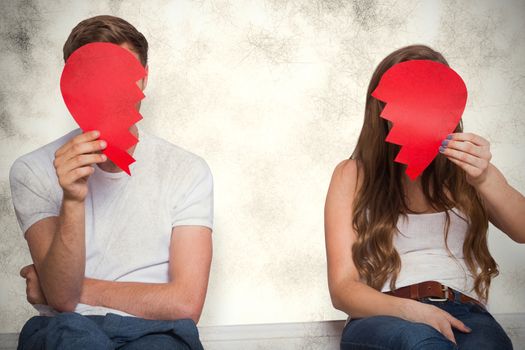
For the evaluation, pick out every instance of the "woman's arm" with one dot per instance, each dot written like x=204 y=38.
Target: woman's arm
x=504 y=204
x=350 y=295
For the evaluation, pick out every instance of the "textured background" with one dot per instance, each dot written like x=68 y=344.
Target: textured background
x=271 y=93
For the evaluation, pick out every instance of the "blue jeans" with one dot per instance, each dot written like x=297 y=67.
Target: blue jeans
x=70 y=330
x=387 y=332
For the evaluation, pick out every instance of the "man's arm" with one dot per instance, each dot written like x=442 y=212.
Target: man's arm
x=57 y=244
x=182 y=297
x=59 y=256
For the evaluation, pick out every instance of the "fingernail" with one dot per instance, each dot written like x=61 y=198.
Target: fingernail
x=96 y=133
x=445 y=142
x=103 y=144
x=441 y=149
x=469 y=329
x=449 y=137
x=104 y=157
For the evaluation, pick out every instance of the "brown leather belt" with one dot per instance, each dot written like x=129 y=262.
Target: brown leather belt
x=432 y=290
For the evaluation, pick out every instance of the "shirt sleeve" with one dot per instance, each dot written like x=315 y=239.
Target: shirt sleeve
x=196 y=205
x=32 y=193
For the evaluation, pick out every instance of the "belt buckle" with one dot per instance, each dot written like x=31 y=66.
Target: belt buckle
x=443 y=289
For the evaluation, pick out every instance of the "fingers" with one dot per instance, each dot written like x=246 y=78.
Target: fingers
x=444 y=322
x=86 y=147
x=76 y=174
x=454 y=322
x=470 y=137
x=469 y=169
x=446 y=330
x=464 y=157
x=34 y=294
x=466 y=147
x=74 y=161
x=29 y=295
x=468 y=151
x=26 y=270
x=81 y=161
x=450 y=322
x=78 y=149
x=82 y=138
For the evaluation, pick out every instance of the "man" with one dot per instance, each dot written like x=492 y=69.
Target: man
x=119 y=261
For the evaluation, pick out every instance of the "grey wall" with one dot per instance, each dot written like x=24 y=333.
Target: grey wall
x=271 y=93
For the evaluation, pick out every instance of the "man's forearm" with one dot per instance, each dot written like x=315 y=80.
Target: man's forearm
x=62 y=271
x=160 y=301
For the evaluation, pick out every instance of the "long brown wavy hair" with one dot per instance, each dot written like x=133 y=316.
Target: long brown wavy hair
x=381 y=199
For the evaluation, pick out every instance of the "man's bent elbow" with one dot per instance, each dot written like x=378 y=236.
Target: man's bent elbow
x=193 y=313
x=195 y=317
x=64 y=307
x=190 y=310
x=64 y=304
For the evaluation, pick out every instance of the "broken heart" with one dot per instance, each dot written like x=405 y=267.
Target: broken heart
x=99 y=87
x=424 y=101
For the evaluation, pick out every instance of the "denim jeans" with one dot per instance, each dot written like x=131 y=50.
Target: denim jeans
x=387 y=332
x=74 y=331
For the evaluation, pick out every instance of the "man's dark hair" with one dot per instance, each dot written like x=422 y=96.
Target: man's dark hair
x=106 y=29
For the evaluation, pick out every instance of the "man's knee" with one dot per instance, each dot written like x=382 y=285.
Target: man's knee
x=156 y=342
x=31 y=334
x=71 y=320
x=63 y=331
x=70 y=329
x=186 y=326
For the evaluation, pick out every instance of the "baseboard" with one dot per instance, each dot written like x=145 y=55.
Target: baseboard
x=309 y=335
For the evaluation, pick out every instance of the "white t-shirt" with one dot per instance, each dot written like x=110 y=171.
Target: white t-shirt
x=129 y=219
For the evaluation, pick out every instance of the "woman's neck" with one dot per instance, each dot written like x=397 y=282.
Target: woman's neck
x=415 y=197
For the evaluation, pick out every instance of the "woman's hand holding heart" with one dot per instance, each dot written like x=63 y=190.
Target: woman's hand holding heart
x=471 y=153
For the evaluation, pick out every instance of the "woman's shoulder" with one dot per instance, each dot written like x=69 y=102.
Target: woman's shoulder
x=346 y=174
x=347 y=166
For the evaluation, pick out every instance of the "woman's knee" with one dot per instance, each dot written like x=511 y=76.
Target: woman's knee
x=485 y=336
x=416 y=336
x=393 y=333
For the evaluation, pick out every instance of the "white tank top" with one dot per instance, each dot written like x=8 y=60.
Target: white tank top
x=420 y=243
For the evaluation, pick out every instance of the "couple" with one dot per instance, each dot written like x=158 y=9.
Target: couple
x=123 y=262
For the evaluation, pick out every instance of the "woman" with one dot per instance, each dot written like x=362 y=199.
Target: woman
x=384 y=231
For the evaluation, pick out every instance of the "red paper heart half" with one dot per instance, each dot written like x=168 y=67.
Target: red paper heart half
x=424 y=101
x=99 y=87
